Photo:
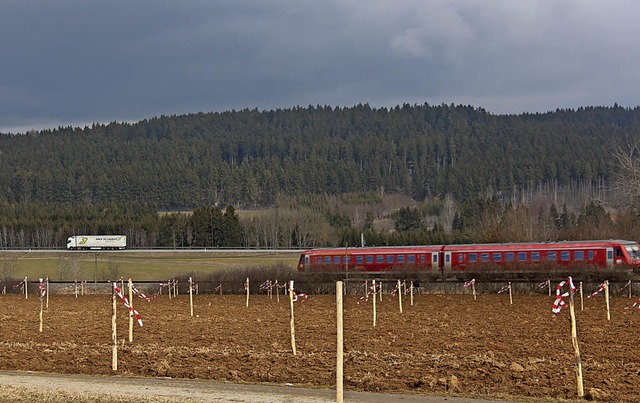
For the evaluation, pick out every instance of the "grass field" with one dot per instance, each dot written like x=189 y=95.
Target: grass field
x=143 y=266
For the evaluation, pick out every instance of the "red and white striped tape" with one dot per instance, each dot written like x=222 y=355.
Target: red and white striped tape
x=138 y=293
x=601 y=288
x=125 y=301
x=544 y=284
x=559 y=303
x=42 y=288
x=469 y=283
x=504 y=289
x=626 y=285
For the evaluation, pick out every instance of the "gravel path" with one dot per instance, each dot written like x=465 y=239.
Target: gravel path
x=30 y=386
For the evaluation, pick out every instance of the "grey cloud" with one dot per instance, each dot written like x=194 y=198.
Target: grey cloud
x=75 y=61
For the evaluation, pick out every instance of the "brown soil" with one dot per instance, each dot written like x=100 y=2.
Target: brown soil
x=444 y=344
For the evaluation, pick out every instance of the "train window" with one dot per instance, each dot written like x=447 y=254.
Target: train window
x=618 y=252
x=590 y=255
x=461 y=257
x=497 y=257
x=522 y=256
x=400 y=259
x=389 y=258
x=369 y=259
x=610 y=254
x=423 y=258
x=347 y=259
x=359 y=259
x=379 y=259
x=336 y=260
x=509 y=257
x=411 y=258
x=473 y=257
x=578 y=255
x=434 y=258
x=552 y=256
x=484 y=257
x=447 y=258
x=327 y=259
x=535 y=256
x=565 y=255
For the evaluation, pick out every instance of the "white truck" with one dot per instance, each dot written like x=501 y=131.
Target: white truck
x=97 y=242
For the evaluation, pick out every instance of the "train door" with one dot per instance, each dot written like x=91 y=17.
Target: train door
x=306 y=261
x=610 y=258
x=447 y=261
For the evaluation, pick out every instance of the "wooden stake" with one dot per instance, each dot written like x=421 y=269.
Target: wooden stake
x=26 y=288
x=246 y=285
x=576 y=348
x=293 y=328
x=48 y=291
x=473 y=288
x=411 y=289
x=177 y=289
x=75 y=288
x=510 y=294
x=191 y=295
x=41 y=307
x=549 y=284
x=373 y=284
x=630 y=285
x=606 y=297
x=581 y=298
x=340 y=344
x=400 y=295
x=169 y=286
x=82 y=287
x=277 y=292
x=130 y=311
x=381 y=286
x=114 y=334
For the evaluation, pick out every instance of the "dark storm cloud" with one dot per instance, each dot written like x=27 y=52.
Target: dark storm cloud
x=76 y=62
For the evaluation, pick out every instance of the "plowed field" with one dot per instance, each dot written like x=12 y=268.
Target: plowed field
x=444 y=344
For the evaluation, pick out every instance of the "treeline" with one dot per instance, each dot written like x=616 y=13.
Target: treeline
x=316 y=222
x=249 y=158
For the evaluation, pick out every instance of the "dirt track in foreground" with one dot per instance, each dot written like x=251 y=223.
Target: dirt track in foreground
x=444 y=345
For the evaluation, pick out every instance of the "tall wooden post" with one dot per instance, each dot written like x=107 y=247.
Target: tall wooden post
x=246 y=285
x=41 y=302
x=340 y=344
x=510 y=294
x=400 y=295
x=191 y=294
x=48 y=291
x=130 y=311
x=374 y=302
x=581 y=298
x=293 y=328
x=411 y=289
x=606 y=297
x=576 y=348
x=26 y=288
x=114 y=334
x=75 y=288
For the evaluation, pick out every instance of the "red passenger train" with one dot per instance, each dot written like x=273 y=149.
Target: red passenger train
x=448 y=258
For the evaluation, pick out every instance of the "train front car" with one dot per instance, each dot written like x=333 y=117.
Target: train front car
x=628 y=253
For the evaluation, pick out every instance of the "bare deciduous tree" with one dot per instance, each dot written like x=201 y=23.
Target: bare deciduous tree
x=626 y=180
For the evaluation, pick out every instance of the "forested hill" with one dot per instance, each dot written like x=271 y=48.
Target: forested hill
x=247 y=157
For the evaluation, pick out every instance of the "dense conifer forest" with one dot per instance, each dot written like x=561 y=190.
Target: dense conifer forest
x=320 y=176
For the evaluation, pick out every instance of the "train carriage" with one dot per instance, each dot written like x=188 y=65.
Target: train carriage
x=371 y=259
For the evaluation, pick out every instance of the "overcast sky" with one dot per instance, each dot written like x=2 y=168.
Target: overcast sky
x=75 y=62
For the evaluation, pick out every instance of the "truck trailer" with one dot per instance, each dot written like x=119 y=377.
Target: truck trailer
x=86 y=242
